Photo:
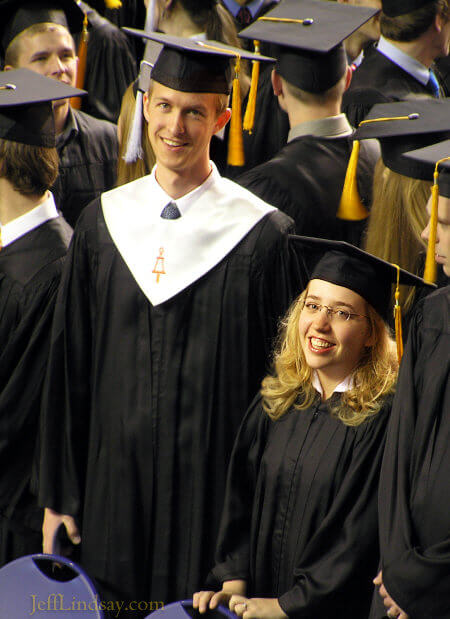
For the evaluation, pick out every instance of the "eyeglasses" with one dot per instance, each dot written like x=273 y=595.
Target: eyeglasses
x=337 y=315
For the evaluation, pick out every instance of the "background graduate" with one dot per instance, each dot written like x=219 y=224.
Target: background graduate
x=34 y=239
x=163 y=326
x=299 y=532
x=414 y=486
x=305 y=178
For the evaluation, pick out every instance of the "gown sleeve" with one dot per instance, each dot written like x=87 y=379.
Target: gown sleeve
x=66 y=398
x=233 y=548
x=417 y=575
x=337 y=566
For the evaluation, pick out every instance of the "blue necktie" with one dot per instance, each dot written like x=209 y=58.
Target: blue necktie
x=433 y=85
x=171 y=211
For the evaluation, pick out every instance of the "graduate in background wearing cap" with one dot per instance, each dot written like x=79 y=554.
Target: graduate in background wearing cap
x=33 y=242
x=402 y=186
x=305 y=178
x=365 y=36
x=298 y=536
x=413 y=34
x=169 y=301
x=35 y=35
x=414 y=494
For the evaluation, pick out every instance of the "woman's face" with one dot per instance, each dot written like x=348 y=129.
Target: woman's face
x=332 y=345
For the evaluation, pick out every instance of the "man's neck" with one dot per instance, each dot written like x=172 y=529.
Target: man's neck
x=419 y=49
x=303 y=113
x=354 y=45
x=14 y=204
x=60 y=114
x=177 y=184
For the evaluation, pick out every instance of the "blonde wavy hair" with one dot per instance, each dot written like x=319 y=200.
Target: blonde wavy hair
x=291 y=383
x=397 y=218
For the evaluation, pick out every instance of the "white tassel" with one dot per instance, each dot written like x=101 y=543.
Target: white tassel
x=134 y=144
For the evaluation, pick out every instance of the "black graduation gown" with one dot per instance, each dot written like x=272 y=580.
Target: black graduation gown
x=305 y=181
x=300 y=513
x=143 y=402
x=378 y=80
x=414 y=518
x=30 y=270
x=88 y=152
x=110 y=67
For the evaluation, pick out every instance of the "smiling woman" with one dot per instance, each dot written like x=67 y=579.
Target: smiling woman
x=299 y=534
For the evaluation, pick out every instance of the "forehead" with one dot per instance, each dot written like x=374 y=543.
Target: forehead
x=332 y=293
x=183 y=99
x=55 y=36
x=443 y=208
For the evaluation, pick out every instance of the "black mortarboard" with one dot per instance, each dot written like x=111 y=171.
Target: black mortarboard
x=345 y=265
x=193 y=65
x=404 y=126
x=394 y=8
x=18 y=15
x=26 y=111
x=309 y=35
x=437 y=157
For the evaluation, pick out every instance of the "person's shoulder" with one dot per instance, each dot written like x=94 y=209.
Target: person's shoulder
x=434 y=310
x=95 y=126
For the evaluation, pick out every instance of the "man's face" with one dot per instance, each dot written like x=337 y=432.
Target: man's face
x=180 y=127
x=442 y=233
x=51 y=54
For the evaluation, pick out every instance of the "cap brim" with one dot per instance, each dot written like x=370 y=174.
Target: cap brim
x=25 y=87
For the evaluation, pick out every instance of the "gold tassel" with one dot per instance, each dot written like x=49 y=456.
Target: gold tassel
x=82 y=61
x=113 y=4
x=249 y=118
x=350 y=207
x=398 y=317
x=235 y=139
x=430 y=271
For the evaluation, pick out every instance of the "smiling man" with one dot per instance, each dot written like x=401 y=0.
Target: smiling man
x=163 y=327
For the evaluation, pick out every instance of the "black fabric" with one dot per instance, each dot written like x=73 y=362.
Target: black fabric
x=30 y=270
x=394 y=8
x=88 y=161
x=414 y=487
x=142 y=403
x=300 y=513
x=110 y=67
x=377 y=80
x=305 y=180
x=312 y=71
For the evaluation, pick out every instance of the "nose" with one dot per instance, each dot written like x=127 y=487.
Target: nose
x=56 y=66
x=426 y=232
x=176 y=123
x=322 y=319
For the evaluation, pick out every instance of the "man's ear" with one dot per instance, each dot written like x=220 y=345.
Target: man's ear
x=348 y=77
x=223 y=119
x=8 y=67
x=277 y=84
x=145 y=101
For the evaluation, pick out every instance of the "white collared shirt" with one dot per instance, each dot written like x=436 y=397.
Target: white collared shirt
x=160 y=197
x=409 y=64
x=20 y=226
x=345 y=385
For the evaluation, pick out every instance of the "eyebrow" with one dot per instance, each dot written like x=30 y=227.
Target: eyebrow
x=46 y=52
x=337 y=303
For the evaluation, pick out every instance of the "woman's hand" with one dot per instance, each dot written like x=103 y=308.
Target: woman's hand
x=202 y=600
x=393 y=610
x=256 y=608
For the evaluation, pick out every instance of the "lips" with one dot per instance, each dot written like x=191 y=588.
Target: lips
x=317 y=344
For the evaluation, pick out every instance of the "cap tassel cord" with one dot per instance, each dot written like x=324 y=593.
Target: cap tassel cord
x=249 y=118
x=82 y=62
x=235 y=140
x=350 y=206
x=134 y=144
x=398 y=317
x=308 y=21
x=430 y=271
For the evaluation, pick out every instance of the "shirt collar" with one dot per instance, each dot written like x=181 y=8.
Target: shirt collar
x=344 y=386
x=234 y=8
x=404 y=61
x=71 y=128
x=20 y=226
x=330 y=127
x=160 y=198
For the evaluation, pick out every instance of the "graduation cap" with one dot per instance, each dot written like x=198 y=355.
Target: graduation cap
x=18 y=15
x=193 y=65
x=400 y=127
x=371 y=277
x=436 y=156
x=26 y=111
x=308 y=35
x=394 y=8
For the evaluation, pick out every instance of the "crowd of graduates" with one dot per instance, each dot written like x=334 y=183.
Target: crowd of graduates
x=224 y=301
